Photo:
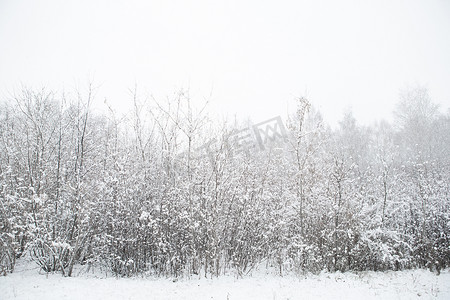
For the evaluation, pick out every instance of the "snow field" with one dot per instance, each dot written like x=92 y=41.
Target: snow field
x=410 y=284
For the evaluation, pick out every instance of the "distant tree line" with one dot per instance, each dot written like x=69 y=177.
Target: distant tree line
x=134 y=193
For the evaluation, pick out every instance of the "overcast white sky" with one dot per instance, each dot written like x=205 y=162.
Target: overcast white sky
x=254 y=56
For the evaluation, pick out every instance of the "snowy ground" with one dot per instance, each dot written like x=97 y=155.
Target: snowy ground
x=27 y=283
